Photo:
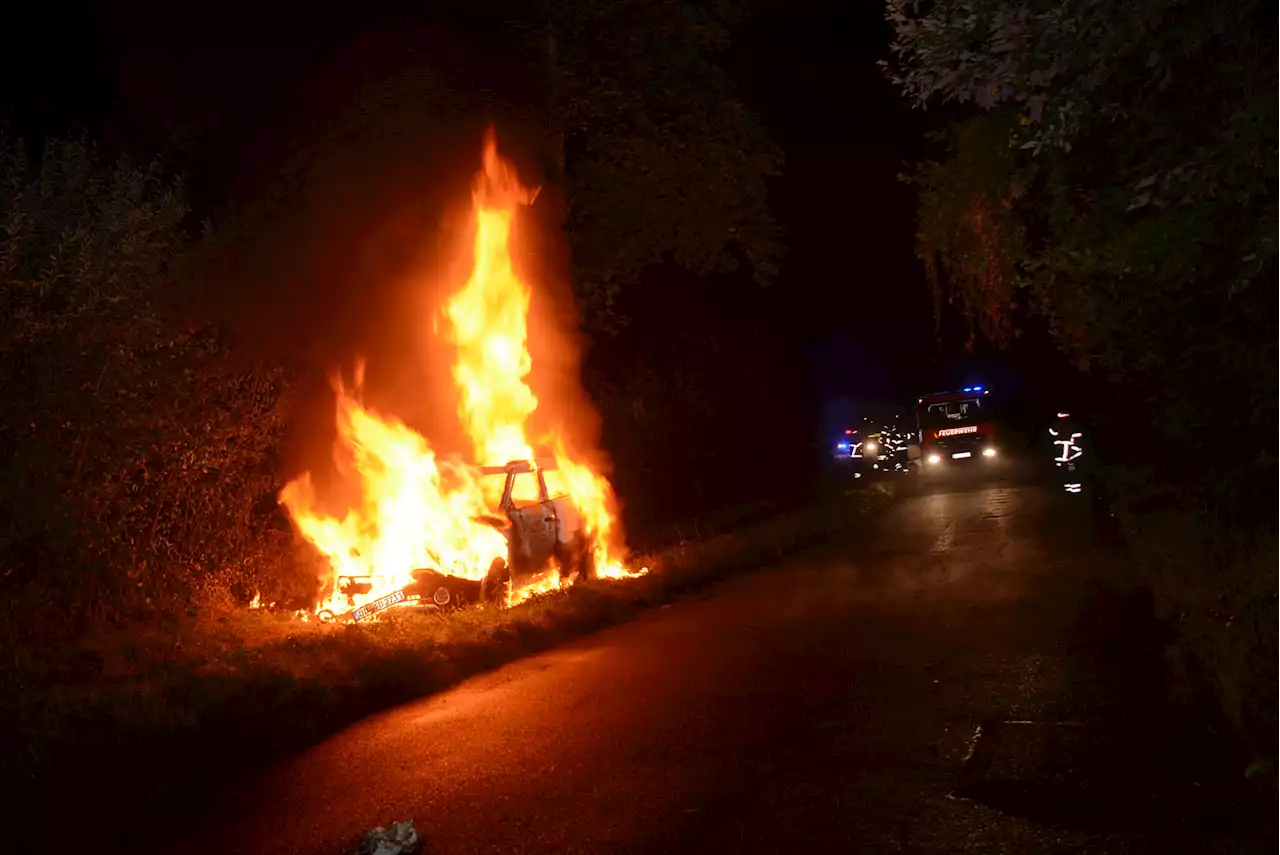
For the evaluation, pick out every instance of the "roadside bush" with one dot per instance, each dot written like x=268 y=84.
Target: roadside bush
x=137 y=471
x=1215 y=582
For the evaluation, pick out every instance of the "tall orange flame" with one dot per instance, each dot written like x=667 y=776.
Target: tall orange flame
x=489 y=317
x=417 y=510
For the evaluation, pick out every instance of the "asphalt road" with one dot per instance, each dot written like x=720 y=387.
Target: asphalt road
x=949 y=681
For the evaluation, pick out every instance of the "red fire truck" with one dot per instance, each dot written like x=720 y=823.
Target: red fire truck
x=955 y=428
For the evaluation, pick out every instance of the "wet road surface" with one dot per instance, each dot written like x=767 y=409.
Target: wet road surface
x=924 y=686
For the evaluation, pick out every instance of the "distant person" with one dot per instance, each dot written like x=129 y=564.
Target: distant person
x=1070 y=450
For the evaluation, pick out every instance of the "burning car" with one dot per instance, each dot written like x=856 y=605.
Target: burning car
x=547 y=544
x=405 y=525
x=545 y=534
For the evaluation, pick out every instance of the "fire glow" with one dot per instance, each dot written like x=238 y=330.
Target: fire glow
x=418 y=509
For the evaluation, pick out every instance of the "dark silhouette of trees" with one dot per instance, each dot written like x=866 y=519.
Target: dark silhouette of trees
x=1117 y=177
x=136 y=468
x=660 y=159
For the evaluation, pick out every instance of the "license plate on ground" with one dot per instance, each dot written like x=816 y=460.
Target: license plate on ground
x=378 y=605
x=960 y=454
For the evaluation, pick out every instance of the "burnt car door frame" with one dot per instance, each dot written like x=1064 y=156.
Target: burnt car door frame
x=534 y=527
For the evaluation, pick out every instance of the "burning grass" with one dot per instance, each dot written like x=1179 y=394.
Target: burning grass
x=138 y=726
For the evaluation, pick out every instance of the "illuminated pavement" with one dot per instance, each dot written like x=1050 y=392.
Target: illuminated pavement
x=926 y=690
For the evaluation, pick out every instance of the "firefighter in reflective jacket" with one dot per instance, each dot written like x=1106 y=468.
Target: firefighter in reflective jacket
x=1068 y=444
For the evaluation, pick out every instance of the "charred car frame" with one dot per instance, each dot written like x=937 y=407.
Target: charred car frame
x=545 y=534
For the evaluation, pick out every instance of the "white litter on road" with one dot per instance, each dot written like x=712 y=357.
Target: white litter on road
x=400 y=838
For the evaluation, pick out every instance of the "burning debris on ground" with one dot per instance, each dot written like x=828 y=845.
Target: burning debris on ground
x=524 y=515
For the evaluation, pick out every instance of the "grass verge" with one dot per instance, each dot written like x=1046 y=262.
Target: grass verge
x=130 y=731
x=1213 y=584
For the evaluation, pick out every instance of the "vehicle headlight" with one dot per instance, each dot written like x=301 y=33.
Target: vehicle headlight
x=870 y=446
x=933 y=458
x=988 y=452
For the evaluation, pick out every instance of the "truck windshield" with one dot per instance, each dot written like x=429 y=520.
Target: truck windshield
x=941 y=414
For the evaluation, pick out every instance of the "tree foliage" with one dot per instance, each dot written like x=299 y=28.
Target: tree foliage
x=136 y=448
x=968 y=232
x=647 y=147
x=661 y=159
x=141 y=450
x=1132 y=146
x=1070 y=66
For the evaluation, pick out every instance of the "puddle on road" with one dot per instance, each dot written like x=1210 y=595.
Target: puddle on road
x=1093 y=778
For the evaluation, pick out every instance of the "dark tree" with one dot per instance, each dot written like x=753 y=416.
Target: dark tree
x=1118 y=178
x=659 y=157
x=136 y=446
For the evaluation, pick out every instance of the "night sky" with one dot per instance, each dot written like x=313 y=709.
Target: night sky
x=810 y=68
x=214 y=84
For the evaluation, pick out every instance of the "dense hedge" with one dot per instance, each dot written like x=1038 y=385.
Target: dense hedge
x=138 y=469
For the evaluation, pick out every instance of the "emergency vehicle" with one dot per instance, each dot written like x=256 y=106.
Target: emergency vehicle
x=955 y=428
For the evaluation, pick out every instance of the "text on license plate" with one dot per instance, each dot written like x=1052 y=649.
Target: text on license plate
x=377 y=605
x=960 y=454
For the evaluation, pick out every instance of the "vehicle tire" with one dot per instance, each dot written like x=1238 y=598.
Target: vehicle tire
x=497 y=584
